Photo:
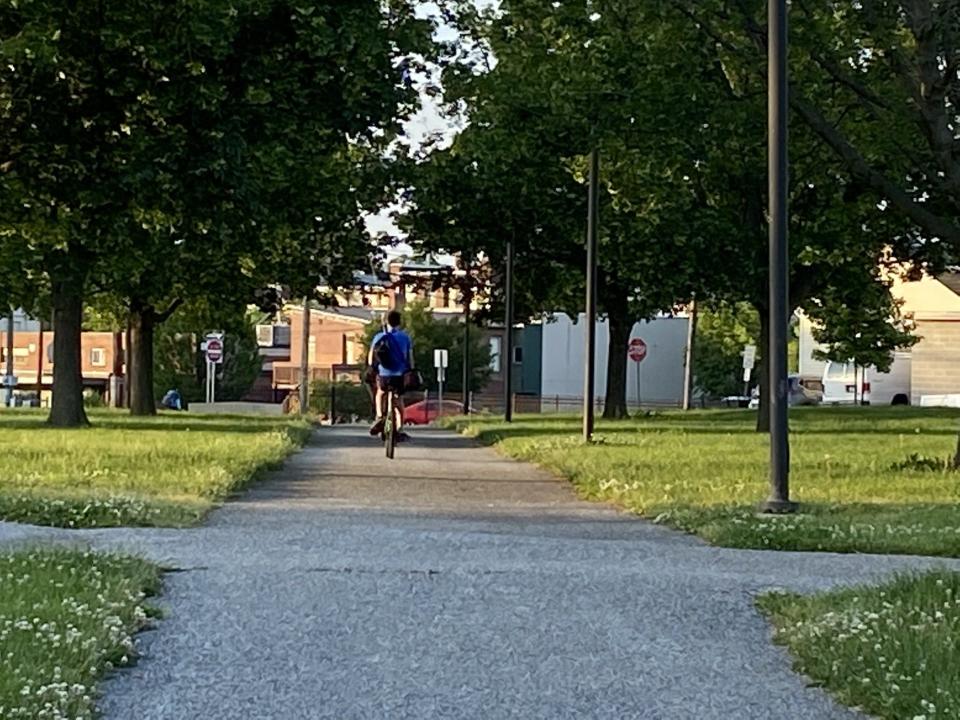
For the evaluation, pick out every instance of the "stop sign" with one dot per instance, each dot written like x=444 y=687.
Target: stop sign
x=214 y=350
x=637 y=349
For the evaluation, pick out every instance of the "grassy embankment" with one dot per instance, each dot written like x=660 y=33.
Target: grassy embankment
x=163 y=471
x=67 y=617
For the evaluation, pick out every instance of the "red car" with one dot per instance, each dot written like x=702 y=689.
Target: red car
x=426 y=411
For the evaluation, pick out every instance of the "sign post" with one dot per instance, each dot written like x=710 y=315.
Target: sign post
x=213 y=347
x=440 y=360
x=749 y=360
x=637 y=351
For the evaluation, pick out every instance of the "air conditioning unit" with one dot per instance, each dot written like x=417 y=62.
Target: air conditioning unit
x=265 y=335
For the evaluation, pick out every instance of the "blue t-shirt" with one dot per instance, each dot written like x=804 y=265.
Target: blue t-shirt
x=400 y=345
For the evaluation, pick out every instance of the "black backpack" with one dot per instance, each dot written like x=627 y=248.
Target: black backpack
x=383 y=352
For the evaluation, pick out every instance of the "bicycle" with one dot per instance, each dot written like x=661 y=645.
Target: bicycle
x=392 y=423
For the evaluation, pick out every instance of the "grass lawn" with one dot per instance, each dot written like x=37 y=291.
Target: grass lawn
x=892 y=650
x=66 y=618
x=868 y=479
x=168 y=470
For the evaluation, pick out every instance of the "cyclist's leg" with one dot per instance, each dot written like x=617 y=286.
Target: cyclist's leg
x=380 y=404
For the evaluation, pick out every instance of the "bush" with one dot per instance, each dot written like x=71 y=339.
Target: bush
x=92 y=398
x=352 y=399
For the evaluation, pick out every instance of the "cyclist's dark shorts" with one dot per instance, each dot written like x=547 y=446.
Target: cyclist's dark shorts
x=391 y=382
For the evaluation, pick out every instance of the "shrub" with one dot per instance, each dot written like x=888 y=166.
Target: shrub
x=351 y=400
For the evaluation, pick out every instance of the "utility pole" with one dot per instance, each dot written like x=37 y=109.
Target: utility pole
x=688 y=355
x=591 y=304
x=507 y=363
x=305 y=357
x=778 y=164
x=467 y=370
x=8 y=381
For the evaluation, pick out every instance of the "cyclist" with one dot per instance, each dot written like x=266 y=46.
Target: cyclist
x=391 y=353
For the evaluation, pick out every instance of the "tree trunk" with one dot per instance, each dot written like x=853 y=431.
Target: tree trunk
x=763 y=412
x=615 y=401
x=140 y=365
x=67 y=409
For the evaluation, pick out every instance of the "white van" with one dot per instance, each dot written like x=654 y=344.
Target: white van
x=890 y=388
x=840 y=384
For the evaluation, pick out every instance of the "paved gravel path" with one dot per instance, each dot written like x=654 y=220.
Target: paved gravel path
x=454 y=583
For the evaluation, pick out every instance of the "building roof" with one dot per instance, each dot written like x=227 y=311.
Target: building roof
x=420 y=263
x=951 y=279
x=350 y=313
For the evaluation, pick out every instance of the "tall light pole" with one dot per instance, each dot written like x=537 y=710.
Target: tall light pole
x=591 y=303
x=778 y=168
x=467 y=370
x=507 y=360
x=305 y=349
x=8 y=382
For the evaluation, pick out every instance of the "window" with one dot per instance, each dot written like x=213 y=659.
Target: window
x=265 y=335
x=838 y=371
x=517 y=355
x=495 y=354
x=98 y=357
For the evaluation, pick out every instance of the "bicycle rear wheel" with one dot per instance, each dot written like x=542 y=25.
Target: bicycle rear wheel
x=390 y=428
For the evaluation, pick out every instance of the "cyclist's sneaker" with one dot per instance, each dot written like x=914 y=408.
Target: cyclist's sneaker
x=377 y=428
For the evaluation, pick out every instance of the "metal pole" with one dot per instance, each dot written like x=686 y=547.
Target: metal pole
x=508 y=340
x=639 y=405
x=778 y=163
x=40 y=365
x=591 y=303
x=8 y=395
x=467 y=371
x=688 y=356
x=305 y=357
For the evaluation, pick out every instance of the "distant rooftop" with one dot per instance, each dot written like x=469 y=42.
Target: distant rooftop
x=951 y=279
x=420 y=263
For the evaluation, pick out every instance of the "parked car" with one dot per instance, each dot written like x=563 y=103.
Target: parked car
x=797 y=394
x=426 y=411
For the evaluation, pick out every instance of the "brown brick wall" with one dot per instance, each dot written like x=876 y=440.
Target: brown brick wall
x=935 y=368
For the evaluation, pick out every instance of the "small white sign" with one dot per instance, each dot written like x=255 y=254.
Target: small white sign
x=749 y=356
x=746 y=374
x=440 y=358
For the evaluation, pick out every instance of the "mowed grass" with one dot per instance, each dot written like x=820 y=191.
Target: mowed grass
x=868 y=479
x=893 y=650
x=168 y=470
x=66 y=618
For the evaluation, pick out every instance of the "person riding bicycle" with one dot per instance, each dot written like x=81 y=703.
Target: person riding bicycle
x=391 y=353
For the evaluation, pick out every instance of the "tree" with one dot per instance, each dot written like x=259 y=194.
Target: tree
x=566 y=79
x=428 y=333
x=722 y=333
x=181 y=365
x=878 y=84
x=139 y=143
x=862 y=325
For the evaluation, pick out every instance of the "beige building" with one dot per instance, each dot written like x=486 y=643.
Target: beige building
x=930 y=370
x=934 y=306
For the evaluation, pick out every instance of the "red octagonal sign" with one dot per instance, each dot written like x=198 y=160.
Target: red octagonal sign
x=214 y=350
x=637 y=350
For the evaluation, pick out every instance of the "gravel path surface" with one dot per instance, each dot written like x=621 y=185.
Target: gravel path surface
x=454 y=583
